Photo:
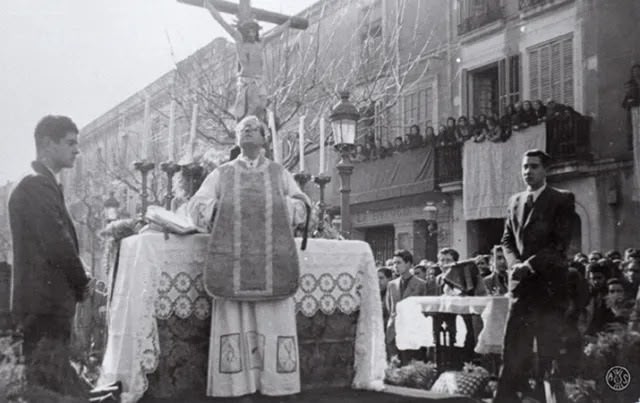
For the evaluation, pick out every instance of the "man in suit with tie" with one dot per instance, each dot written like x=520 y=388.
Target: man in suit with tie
x=536 y=235
x=48 y=278
x=406 y=285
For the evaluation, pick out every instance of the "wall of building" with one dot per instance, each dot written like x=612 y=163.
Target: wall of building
x=610 y=50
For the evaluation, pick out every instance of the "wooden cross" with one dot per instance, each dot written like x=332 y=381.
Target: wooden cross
x=245 y=12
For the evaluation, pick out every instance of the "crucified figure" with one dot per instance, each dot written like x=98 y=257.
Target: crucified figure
x=251 y=95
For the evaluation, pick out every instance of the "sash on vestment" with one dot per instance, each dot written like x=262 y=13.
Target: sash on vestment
x=251 y=253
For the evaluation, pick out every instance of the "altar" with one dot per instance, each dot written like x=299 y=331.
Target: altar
x=159 y=317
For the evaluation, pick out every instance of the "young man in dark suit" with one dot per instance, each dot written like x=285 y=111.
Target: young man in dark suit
x=406 y=285
x=536 y=235
x=48 y=278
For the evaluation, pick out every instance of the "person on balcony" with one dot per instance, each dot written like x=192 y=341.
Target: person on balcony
x=528 y=116
x=494 y=131
x=451 y=130
x=536 y=236
x=442 y=138
x=540 y=111
x=463 y=130
x=398 y=145
x=477 y=132
x=632 y=89
x=506 y=120
x=429 y=139
x=414 y=139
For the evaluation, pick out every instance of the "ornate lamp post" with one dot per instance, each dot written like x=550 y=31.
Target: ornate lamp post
x=111 y=206
x=431 y=216
x=344 y=120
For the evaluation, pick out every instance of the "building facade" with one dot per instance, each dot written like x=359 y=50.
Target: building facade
x=410 y=63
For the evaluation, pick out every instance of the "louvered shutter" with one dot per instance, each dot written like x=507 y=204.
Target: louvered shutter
x=567 y=69
x=545 y=74
x=556 y=72
x=534 y=74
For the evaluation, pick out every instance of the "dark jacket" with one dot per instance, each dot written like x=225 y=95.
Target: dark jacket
x=48 y=277
x=415 y=287
x=540 y=240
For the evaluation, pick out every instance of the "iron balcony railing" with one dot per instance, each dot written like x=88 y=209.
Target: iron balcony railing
x=492 y=12
x=448 y=163
x=568 y=137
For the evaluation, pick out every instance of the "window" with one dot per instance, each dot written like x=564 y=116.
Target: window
x=416 y=108
x=371 y=42
x=478 y=13
x=509 y=71
x=551 y=71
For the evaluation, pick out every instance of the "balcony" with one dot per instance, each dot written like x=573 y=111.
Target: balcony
x=448 y=163
x=524 y=5
x=568 y=137
x=490 y=12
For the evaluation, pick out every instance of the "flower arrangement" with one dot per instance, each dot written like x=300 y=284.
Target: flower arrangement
x=417 y=374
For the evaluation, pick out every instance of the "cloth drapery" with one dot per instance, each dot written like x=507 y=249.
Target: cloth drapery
x=491 y=172
x=414 y=330
x=158 y=278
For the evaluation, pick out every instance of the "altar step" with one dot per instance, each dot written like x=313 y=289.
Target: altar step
x=392 y=394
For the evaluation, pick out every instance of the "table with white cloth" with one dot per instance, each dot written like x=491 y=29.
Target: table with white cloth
x=415 y=330
x=160 y=315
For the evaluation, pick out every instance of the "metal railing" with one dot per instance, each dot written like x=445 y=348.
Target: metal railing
x=568 y=137
x=493 y=12
x=448 y=163
x=524 y=5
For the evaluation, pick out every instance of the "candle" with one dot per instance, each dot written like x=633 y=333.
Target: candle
x=146 y=128
x=193 y=132
x=322 y=163
x=172 y=134
x=274 y=136
x=301 y=145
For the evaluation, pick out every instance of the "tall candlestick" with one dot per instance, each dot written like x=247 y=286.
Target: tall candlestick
x=322 y=163
x=277 y=157
x=301 y=144
x=172 y=134
x=193 y=131
x=146 y=128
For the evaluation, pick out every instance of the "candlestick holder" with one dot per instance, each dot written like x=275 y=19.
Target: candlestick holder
x=144 y=167
x=302 y=178
x=321 y=181
x=170 y=168
x=192 y=174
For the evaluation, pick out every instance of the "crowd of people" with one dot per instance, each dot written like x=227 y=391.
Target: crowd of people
x=603 y=287
x=493 y=127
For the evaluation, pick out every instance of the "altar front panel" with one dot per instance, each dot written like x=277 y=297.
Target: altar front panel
x=160 y=316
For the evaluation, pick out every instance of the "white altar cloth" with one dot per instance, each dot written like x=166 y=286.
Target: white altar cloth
x=160 y=277
x=413 y=330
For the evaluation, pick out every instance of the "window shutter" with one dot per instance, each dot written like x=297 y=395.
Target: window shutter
x=534 y=74
x=556 y=72
x=567 y=68
x=545 y=76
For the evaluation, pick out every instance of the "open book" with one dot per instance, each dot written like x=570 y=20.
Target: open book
x=170 y=221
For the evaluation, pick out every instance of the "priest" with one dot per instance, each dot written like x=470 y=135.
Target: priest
x=251 y=270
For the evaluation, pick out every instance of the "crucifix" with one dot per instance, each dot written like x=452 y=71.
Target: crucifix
x=251 y=96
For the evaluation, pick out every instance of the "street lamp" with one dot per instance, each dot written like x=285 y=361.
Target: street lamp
x=111 y=206
x=344 y=121
x=431 y=216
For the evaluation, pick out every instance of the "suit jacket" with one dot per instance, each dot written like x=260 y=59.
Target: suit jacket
x=541 y=240
x=48 y=277
x=415 y=287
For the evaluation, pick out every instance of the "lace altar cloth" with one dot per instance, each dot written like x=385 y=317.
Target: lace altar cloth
x=159 y=277
x=414 y=330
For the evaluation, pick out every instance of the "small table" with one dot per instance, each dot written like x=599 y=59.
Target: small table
x=160 y=278
x=414 y=330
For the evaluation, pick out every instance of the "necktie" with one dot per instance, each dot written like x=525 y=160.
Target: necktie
x=403 y=286
x=528 y=205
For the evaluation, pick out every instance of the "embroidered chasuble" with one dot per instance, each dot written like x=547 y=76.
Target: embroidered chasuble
x=251 y=252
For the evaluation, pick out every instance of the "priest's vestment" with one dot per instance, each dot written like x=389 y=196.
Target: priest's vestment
x=253 y=344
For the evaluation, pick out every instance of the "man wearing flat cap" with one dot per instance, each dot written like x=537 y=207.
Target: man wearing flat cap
x=536 y=235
